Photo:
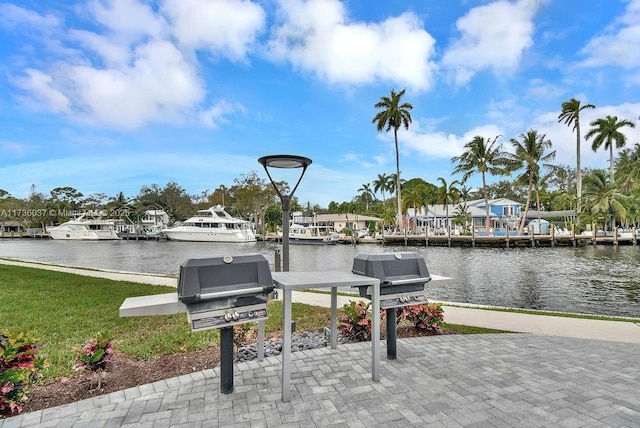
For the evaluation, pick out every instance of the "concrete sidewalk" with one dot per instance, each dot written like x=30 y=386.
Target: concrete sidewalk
x=487 y=380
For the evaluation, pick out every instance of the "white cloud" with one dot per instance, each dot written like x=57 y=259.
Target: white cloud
x=131 y=19
x=44 y=94
x=12 y=16
x=155 y=87
x=113 y=53
x=618 y=45
x=543 y=90
x=493 y=36
x=317 y=37
x=227 y=27
x=130 y=71
x=215 y=115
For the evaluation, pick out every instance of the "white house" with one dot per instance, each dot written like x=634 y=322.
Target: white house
x=335 y=222
x=154 y=220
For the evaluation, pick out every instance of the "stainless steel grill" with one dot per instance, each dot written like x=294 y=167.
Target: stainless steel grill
x=221 y=292
x=225 y=291
x=403 y=277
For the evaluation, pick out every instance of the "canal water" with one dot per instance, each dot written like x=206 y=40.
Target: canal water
x=602 y=280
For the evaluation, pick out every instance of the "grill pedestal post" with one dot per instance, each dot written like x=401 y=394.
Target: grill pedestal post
x=226 y=360
x=392 y=353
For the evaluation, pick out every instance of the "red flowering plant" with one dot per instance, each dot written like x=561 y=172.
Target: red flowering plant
x=19 y=365
x=354 y=321
x=95 y=356
x=428 y=316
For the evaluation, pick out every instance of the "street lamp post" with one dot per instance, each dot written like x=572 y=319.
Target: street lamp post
x=287 y=162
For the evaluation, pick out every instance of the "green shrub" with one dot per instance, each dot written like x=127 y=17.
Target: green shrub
x=429 y=316
x=95 y=354
x=355 y=321
x=19 y=365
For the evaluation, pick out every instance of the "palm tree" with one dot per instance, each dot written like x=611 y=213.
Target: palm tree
x=602 y=196
x=481 y=156
x=570 y=114
x=393 y=115
x=465 y=192
x=388 y=217
x=392 y=184
x=628 y=168
x=462 y=216
x=448 y=194
x=381 y=184
x=367 y=194
x=528 y=154
x=414 y=198
x=606 y=132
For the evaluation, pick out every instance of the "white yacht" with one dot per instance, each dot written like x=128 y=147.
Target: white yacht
x=212 y=225
x=85 y=229
x=301 y=234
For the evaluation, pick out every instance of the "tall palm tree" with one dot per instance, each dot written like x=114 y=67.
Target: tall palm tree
x=602 y=196
x=392 y=115
x=606 y=132
x=570 y=114
x=448 y=194
x=481 y=156
x=529 y=154
x=367 y=194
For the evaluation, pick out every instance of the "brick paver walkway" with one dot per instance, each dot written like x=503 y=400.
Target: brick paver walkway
x=496 y=380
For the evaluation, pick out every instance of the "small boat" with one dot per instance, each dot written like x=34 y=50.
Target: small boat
x=212 y=225
x=85 y=229
x=301 y=234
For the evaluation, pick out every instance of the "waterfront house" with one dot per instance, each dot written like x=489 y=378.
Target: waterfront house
x=11 y=228
x=503 y=213
x=154 y=220
x=328 y=223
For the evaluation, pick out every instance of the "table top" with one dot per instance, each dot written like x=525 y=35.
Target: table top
x=320 y=279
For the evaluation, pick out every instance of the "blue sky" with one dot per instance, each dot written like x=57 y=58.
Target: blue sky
x=110 y=95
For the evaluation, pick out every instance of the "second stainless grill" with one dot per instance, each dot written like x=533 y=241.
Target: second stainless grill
x=403 y=277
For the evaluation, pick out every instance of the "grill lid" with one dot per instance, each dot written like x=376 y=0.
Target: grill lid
x=393 y=269
x=228 y=277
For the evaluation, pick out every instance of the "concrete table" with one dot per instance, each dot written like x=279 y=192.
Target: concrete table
x=289 y=281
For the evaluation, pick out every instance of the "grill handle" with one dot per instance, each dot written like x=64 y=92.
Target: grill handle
x=408 y=281
x=232 y=293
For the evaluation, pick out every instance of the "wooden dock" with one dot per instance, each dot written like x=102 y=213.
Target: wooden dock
x=531 y=241
x=134 y=236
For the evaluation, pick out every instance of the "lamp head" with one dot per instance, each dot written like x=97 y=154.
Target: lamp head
x=284 y=161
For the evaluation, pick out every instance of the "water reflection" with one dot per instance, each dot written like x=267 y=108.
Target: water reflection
x=598 y=280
